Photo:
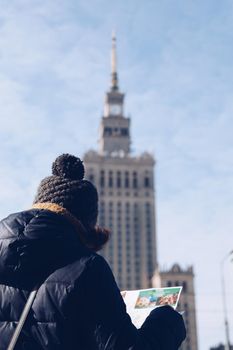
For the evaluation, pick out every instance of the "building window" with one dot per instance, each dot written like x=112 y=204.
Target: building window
x=119 y=209
x=102 y=213
x=185 y=287
x=124 y=132
x=169 y=284
x=118 y=179
x=102 y=206
x=147 y=207
x=110 y=218
x=147 y=182
x=91 y=178
x=149 y=237
x=102 y=179
x=110 y=179
x=136 y=229
x=126 y=179
x=135 y=180
x=116 y=131
x=107 y=131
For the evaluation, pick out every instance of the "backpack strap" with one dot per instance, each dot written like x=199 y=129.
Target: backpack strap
x=22 y=319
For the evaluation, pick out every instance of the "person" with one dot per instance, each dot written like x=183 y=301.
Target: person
x=53 y=247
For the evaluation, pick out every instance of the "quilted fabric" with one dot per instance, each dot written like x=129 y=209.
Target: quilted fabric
x=78 y=304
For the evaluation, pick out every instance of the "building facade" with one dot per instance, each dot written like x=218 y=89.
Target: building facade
x=125 y=184
x=176 y=276
x=126 y=188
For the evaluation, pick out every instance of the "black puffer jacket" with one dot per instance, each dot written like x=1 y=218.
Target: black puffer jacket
x=78 y=305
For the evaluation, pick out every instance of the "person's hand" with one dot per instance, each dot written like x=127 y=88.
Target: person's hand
x=169 y=324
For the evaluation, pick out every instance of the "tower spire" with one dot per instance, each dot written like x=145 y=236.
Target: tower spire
x=114 y=77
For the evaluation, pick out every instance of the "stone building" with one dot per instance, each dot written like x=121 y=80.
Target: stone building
x=125 y=184
x=176 y=276
x=126 y=188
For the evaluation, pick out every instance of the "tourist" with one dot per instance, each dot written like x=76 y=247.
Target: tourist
x=52 y=248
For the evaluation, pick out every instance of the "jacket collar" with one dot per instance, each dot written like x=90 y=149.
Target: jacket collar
x=55 y=208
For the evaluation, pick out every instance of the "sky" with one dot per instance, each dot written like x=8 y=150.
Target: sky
x=175 y=66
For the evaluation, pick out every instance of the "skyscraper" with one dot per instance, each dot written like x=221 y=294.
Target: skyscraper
x=125 y=183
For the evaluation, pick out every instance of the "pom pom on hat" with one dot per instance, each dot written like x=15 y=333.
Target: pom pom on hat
x=68 y=166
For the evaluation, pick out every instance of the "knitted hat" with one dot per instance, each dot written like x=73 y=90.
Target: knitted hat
x=67 y=188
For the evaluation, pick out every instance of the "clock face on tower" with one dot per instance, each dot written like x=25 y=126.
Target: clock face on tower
x=115 y=109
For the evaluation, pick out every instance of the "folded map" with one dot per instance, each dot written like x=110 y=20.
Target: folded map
x=139 y=303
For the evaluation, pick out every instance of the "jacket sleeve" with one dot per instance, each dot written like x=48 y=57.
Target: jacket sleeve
x=162 y=330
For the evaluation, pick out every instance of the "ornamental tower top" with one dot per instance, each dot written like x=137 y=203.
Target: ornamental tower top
x=114 y=127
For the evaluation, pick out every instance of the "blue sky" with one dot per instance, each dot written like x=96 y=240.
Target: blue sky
x=175 y=65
